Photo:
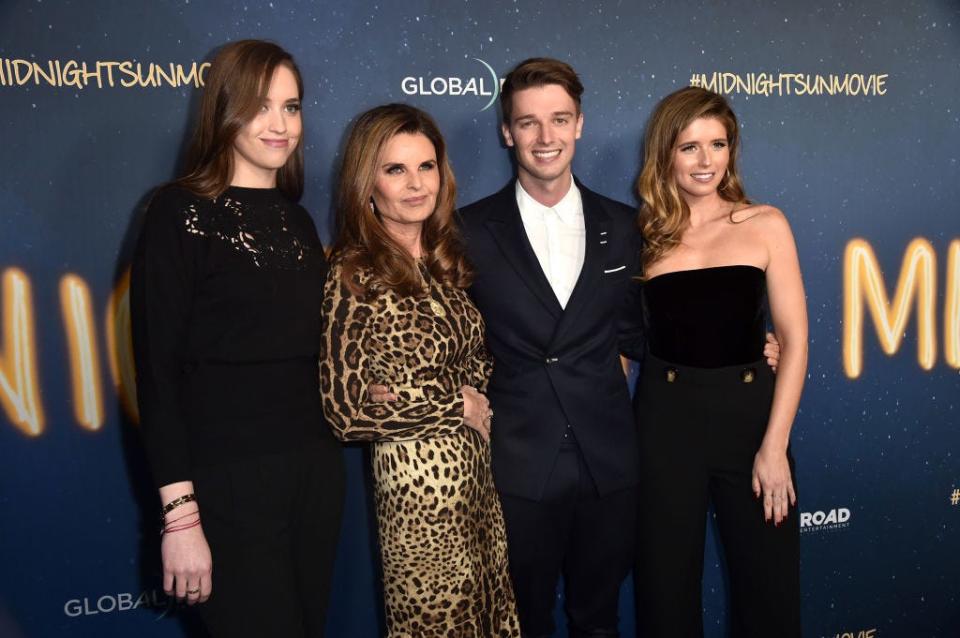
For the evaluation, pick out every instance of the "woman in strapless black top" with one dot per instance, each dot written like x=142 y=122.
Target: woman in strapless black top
x=714 y=421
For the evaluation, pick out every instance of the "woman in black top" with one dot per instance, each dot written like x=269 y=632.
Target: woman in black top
x=714 y=422
x=226 y=293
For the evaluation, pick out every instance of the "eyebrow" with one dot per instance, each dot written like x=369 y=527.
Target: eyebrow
x=386 y=164
x=554 y=114
x=716 y=139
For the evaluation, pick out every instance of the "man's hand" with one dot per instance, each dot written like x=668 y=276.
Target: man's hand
x=477 y=414
x=380 y=394
x=771 y=350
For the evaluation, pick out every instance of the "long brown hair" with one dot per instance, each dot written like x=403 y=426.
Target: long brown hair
x=362 y=240
x=236 y=84
x=536 y=72
x=664 y=213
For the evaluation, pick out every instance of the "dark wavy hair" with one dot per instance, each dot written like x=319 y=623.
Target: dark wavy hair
x=664 y=213
x=362 y=241
x=236 y=84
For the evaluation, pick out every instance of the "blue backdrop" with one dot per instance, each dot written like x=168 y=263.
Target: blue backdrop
x=850 y=125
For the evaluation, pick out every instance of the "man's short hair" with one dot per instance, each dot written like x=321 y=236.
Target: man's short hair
x=536 y=72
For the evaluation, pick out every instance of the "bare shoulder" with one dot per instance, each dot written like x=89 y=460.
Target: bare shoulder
x=764 y=217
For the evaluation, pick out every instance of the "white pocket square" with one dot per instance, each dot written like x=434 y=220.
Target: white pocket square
x=618 y=269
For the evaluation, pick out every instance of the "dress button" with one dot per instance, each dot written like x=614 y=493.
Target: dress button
x=747 y=375
x=670 y=374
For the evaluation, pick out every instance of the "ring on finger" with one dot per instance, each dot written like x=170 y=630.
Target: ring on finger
x=193 y=592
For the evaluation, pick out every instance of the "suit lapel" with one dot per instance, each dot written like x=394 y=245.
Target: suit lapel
x=596 y=226
x=506 y=227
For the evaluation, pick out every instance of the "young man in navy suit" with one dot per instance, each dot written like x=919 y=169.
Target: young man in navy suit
x=554 y=265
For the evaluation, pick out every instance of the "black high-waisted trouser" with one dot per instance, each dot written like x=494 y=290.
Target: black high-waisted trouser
x=272 y=523
x=699 y=430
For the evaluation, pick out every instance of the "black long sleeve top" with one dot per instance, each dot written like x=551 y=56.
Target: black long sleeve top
x=225 y=300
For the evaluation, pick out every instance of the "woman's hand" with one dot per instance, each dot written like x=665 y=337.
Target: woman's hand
x=477 y=414
x=187 y=564
x=772 y=481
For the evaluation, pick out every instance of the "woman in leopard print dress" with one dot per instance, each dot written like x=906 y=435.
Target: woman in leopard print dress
x=396 y=313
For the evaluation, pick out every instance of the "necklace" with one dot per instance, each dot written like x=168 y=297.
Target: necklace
x=434 y=304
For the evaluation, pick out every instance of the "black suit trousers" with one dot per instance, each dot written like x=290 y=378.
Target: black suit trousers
x=571 y=531
x=699 y=430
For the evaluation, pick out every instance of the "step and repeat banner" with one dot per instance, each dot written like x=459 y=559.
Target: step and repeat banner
x=851 y=125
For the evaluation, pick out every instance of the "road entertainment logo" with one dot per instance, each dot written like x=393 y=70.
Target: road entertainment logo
x=819 y=521
x=484 y=85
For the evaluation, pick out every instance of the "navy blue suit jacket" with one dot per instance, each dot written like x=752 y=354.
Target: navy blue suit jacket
x=556 y=366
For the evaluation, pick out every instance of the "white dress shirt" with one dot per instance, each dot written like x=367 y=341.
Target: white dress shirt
x=558 y=237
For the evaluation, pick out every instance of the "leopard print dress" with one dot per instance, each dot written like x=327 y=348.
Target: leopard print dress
x=442 y=537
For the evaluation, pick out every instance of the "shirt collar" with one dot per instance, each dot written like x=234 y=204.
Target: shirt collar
x=569 y=209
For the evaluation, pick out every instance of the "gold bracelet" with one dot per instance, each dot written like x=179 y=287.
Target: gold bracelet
x=175 y=503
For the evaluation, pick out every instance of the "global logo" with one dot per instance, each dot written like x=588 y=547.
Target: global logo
x=818 y=521
x=486 y=84
x=123 y=601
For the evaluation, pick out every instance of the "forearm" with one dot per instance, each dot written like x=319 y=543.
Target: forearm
x=170 y=493
x=631 y=332
x=788 y=387
x=479 y=369
x=173 y=491
x=401 y=420
x=166 y=441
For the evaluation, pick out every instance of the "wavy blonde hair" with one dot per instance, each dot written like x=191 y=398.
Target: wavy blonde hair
x=362 y=241
x=663 y=212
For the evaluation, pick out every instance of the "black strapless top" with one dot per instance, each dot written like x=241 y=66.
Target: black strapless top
x=708 y=317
